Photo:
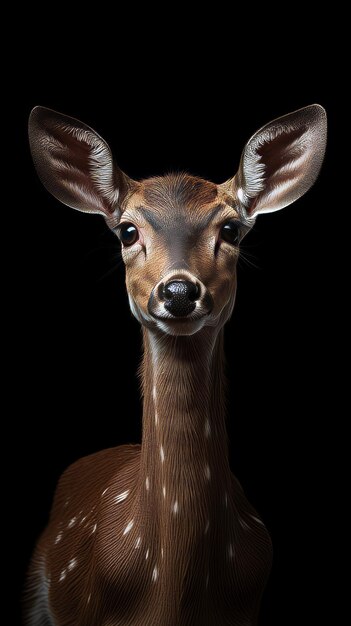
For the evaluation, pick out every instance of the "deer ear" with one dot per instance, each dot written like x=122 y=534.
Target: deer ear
x=281 y=161
x=75 y=164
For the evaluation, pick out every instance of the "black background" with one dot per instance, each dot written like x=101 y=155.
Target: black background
x=79 y=345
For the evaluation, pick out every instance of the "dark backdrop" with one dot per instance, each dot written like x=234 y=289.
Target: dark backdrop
x=79 y=346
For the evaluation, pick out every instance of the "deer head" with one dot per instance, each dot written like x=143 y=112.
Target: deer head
x=180 y=235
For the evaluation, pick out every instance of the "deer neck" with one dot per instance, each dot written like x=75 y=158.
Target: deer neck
x=184 y=471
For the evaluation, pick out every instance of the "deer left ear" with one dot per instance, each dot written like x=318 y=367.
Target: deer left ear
x=75 y=164
x=281 y=161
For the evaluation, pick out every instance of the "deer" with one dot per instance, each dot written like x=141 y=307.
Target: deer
x=162 y=534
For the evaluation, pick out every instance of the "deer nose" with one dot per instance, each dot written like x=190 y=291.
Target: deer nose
x=179 y=296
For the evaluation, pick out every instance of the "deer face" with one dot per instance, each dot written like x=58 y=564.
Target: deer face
x=180 y=243
x=180 y=235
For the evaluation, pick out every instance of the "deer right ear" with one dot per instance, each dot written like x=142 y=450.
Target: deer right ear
x=75 y=164
x=280 y=162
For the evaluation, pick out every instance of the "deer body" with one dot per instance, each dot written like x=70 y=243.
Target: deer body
x=177 y=524
x=162 y=534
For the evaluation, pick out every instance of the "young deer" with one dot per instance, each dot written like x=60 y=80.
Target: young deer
x=162 y=534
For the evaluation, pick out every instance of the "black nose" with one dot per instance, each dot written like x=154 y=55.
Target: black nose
x=180 y=296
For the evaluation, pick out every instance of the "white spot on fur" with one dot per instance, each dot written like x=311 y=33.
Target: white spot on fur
x=121 y=496
x=154 y=393
x=94 y=528
x=155 y=574
x=175 y=507
x=162 y=553
x=257 y=520
x=207 y=428
x=128 y=527
x=72 y=564
x=147 y=483
x=72 y=522
x=104 y=491
x=138 y=542
x=89 y=598
x=162 y=453
x=207 y=526
x=83 y=519
x=164 y=491
x=62 y=575
x=147 y=554
x=230 y=551
x=156 y=418
x=208 y=472
x=241 y=194
x=58 y=538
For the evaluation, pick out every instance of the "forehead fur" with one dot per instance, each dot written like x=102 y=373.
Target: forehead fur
x=177 y=191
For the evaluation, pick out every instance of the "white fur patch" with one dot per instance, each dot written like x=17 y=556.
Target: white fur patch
x=122 y=496
x=128 y=527
x=72 y=564
x=155 y=574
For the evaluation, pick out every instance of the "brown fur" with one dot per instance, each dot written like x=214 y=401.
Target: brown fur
x=178 y=191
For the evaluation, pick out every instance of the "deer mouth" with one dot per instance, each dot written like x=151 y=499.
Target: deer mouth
x=185 y=319
x=179 y=325
x=186 y=325
x=159 y=311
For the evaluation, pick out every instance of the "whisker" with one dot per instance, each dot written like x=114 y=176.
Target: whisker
x=248 y=259
x=112 y=269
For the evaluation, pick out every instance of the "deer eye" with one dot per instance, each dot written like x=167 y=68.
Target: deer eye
x=128 y=234
x=230 y=233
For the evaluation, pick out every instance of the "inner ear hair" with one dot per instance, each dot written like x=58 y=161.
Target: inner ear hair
x=280 y=162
